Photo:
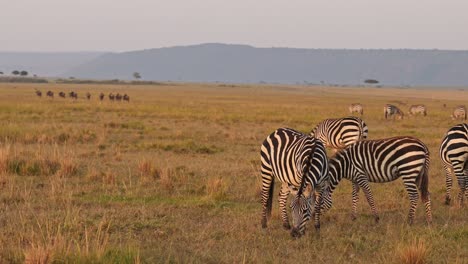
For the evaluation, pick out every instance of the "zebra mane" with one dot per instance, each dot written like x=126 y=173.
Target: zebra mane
x=304 y=172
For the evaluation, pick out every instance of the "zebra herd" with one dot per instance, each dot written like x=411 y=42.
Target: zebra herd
x=299 y=162
x=392 y=111
x=74 y=95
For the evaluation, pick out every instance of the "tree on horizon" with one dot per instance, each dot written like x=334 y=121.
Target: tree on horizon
x=137 y=75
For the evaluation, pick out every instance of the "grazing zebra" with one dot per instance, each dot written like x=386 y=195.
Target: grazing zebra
x=111 y=96
x=62 y=94
x=382 y=161
x=356 y=108
x=300 y=163
x=459 y=112
x=341 y=132
x=126 y=98
x=88 y=96
x=73 y=95
x=454 y=153
x=38 y=93
x=392 y=111
x=118 y=97
x=417 y=109
x=50 y=94
x=101 y=96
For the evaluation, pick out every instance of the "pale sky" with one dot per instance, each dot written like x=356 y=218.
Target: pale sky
x=124 y=25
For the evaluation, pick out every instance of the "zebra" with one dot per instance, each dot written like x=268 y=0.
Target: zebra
x=392 y=111
x=300 y=163
x=118 y=97
x=101 y=96
x=38 y=93
x=459 y=112
x=111 y=96
x=50 y=94
x=356 y=108
x=341 y=132
x=382 y=161
x=454 y=153
x=73 y=95
x=62 y=94
x=126 y=98
x=88 y=96
x=417 y=109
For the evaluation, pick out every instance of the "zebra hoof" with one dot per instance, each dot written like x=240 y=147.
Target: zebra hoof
x=410 y=221
x=317 y=227
x=377 y=219
x=264 y=223
x=286 y=226
x=353 y=217
x=447 y=200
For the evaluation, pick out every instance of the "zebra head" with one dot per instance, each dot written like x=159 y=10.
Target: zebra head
x=301 y=210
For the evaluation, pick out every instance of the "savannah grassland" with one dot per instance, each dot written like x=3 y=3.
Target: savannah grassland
x=173 y=177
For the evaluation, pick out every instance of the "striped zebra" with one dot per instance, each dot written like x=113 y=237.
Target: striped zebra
x=341 y=132
x=454 y=153
x=300 y=163
x=392 y=111
x=356 y=108
x=382 y=161
x=459 y=112
x=417 y=109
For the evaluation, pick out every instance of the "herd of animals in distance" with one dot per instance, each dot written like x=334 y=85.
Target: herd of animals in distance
x=112 y=97
x=300 y=163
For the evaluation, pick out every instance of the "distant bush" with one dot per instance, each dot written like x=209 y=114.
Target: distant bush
x=10 y=79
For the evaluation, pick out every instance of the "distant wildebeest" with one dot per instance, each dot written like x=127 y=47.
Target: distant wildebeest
x=88 y=96
x=459 y=112
x=392 y=111
x=38 y=93
x=50 y=94
x=111 y=96
x=356 y=108
x=73 y=95
x=62 y=94
x=417 y=109
x=118 y=97
x=126 y=98
x=101 y=96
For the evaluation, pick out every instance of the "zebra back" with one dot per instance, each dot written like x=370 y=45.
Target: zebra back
x=392 y=111
x=341 y=132
x=356 y=108
x=417 y=109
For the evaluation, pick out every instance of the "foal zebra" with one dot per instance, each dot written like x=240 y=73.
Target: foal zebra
x=454 y=153
x=300 y=163
x=459 y=112
x=417 y=109
x=341 y=132
x=382 y=161
x=392 y=111
x=356 y=108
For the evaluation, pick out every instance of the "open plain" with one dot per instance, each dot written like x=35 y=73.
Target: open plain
x=173 y=176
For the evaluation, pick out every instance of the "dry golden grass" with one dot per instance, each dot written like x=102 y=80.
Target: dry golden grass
x=173 y=177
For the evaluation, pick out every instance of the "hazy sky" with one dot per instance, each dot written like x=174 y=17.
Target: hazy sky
x=122 y=25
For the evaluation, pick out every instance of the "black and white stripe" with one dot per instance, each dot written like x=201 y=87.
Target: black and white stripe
x=300 y=163
x=459 y=112
x=417 y=109
x=454 y=153
x=356 y=108
x=382 y=161
x=391 y=111
x=341 y=132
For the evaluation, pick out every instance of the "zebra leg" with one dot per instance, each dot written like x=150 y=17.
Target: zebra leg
x=267 y=193
x=448 y=184
x=370 y=198
x=413 y=195
x=283 y=198
x=318 y=206
x=460 y=174
x=355 y=200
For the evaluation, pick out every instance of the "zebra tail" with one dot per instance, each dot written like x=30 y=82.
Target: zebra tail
x=423 y=181
x=269 y=203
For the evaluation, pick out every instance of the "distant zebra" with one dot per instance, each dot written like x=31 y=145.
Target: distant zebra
x=459 y=112
x=454 y=153
x=111 y=96
x=417 y=109
x=382 y=161
x=126 y=98
x=298 y=161
x=62 y=94
x=50 y=94
x=392 y=111
x=356 y=108
x=88 y=96
x=118 y=97
x=101 y=96
x=38 y=93
x=341 y=132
